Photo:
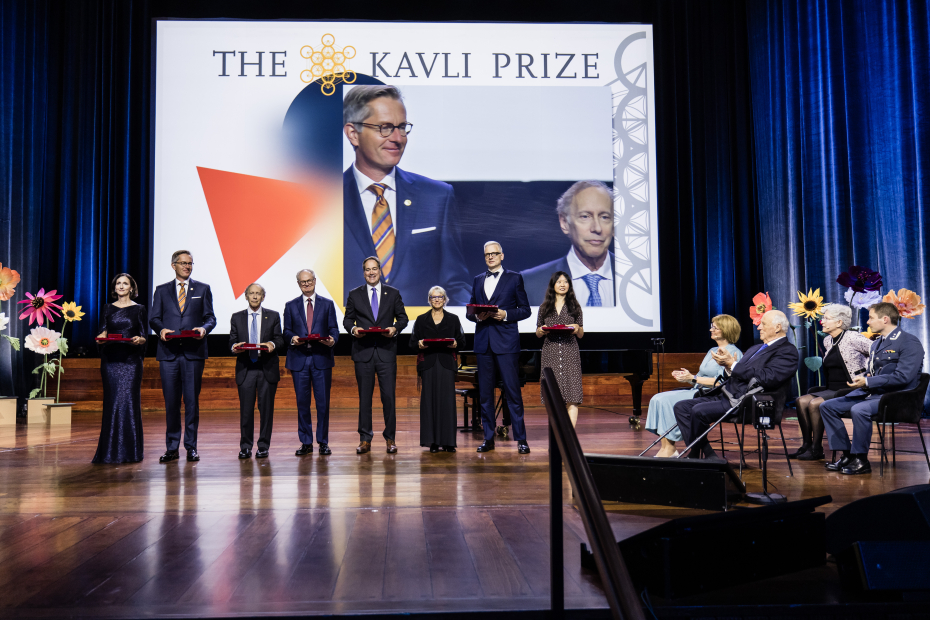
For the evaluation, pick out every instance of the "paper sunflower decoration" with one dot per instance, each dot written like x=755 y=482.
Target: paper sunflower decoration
x=810 y=306
x=71 y=311
x=907 y=302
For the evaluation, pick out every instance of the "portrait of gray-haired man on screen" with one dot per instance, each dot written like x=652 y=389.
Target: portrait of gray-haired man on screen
x=586 y=216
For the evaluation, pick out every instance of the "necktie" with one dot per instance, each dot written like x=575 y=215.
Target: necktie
x=593 y=281
x=309 y=315
x=182 y=297
x=253 y=336
x=382 y=231
x=759 y=350
x=374 y=303
x=493 y=274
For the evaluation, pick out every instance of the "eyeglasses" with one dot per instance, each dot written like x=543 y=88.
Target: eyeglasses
x=185 y=264
x=712 y=326
x=490 y=254
x=387 y=129
x=432 y=297
x=306 y=282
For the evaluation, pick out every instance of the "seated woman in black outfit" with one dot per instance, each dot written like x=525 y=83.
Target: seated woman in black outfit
x=121 y=369
x=436 y=367
x=847 y=354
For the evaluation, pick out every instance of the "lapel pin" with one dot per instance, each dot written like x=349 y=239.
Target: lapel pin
x=408 y=202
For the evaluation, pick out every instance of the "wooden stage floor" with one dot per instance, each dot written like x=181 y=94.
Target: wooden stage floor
x=411 y=532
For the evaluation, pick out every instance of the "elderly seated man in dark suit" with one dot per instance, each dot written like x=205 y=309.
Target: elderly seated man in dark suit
x=771 y=364
x=895 y=360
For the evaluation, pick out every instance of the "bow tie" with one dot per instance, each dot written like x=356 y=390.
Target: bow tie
x=492 y=274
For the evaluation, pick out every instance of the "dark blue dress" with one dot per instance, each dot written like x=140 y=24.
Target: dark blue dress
x=121 y=370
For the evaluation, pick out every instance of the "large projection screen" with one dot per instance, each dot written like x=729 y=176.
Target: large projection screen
x=253 y=172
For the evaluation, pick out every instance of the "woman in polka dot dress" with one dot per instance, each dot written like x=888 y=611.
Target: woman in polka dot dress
x=560 y=348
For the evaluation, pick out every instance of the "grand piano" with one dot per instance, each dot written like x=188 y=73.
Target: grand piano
x=634 y=365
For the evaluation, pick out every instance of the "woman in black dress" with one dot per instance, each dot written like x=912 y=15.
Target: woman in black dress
x=560 y=348
x=436 y=367
x=121 y=369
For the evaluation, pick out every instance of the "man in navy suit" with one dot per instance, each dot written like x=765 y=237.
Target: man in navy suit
x=895 y=360
x=408 y=221
x=257 y=372
x=497 y=342
x=311 y=363
x=771 y=364
x=586 y=216
x=375 y=304
x=183 y=304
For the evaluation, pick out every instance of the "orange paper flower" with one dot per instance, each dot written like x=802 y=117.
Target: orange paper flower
x=761 y=304
x=907 y=302
x=8 y=281
x=868 y=333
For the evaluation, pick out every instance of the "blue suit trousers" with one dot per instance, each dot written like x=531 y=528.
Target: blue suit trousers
x=181 y=378
x=316 y=383
x=490 y=366
x=861 y=410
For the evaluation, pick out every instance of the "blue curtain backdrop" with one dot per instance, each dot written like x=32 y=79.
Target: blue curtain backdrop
x=841 y=109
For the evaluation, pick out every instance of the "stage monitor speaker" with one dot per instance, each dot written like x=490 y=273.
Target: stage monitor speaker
x=708 y=552
x=895 y=566
x=688 y=483
x=900 y=515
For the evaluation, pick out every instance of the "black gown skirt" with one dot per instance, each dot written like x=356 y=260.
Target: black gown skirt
x=121 y=370
x=437 y=382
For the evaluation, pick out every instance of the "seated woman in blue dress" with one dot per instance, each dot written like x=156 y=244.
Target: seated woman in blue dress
x=724 y=330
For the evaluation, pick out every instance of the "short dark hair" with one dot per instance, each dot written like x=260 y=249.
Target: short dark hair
x=176 y=255
x=133 y=289
x=374 y=258
x=888 y=309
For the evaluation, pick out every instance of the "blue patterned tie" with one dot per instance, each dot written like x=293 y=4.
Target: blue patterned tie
x=593 y=280
x=253 y=336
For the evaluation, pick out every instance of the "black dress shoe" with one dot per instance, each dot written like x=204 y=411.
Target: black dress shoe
x=811 y=455
x=245 y=454
x=261 y=454
x=523 y=447
x=170 y=455
x=856 y=466
x=192 y=456
x=433 y=448
x=448 y=448
x=305 y=448
x=487 y=446
x=839 y=463
x=324 y=449
x=805 y=448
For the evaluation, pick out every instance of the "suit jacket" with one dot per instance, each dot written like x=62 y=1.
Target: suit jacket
x=198 y=312
x=295 y=324
x=773 y=367
x=894 y=364
x=536 y=279
x=428 y=250
x=239 y=328
x=391 y=313
x=510 y=295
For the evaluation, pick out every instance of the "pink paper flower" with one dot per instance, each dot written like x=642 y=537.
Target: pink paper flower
x=42 y=340
x=761 y=304
x=41 y=306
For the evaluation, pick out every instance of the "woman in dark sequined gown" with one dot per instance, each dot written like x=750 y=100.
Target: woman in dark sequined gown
x=121 y=370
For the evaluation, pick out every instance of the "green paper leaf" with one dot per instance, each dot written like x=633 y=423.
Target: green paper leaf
x=821 y=334
x=38 y=369
x=63 y=346
x=34 y=392
x=813 y=363
x=807 y=324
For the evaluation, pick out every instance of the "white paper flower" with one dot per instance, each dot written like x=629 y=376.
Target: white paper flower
x=863 y=300
x=3 y=321
x=42 y=340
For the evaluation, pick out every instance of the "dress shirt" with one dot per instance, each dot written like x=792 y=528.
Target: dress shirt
x=177 y=287
x=491 y=283
x=605 y=287
x=369 y=198
x=769 y=344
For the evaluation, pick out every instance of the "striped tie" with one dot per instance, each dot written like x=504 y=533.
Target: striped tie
x=382 y=231
x=182 y=297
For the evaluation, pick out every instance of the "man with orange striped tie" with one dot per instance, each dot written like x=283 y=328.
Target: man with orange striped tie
x=408 y=221
x=182 y=305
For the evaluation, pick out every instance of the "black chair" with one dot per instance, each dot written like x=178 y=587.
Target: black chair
x=744 y=414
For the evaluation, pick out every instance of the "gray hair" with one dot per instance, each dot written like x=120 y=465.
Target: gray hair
x=441 y=290
x=255 y=284
x=177 y=255
x=310 y=271
x=355 y=108
x=497 y=243
x=564 y=205
x=779 y=318
x=840 y=312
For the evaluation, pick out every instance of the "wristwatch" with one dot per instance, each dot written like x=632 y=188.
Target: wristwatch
x=694 y=381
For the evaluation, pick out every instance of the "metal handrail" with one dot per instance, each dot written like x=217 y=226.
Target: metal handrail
x=563 y=446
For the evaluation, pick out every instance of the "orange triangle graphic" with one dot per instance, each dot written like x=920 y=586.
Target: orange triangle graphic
x=257 y=220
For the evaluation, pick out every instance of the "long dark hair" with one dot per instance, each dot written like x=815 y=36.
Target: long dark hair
x=133 y=289
x=548 y=304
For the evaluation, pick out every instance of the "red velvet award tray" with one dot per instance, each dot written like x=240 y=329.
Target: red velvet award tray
x=312 y=338
x=185 y=333
x=251 y=347
x=116 y=338
x=558 y=328
x=438 y=342
x=476 y=308
x=372 y=330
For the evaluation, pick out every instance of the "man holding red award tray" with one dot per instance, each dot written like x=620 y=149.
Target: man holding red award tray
x=255 y=337
x=498 y=303
x=311 y=330
x=375 y=314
